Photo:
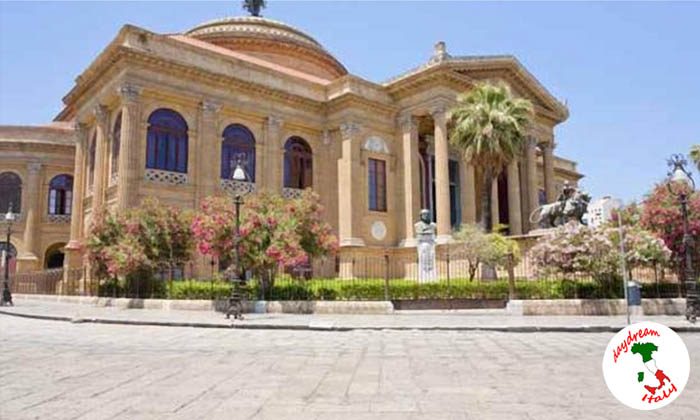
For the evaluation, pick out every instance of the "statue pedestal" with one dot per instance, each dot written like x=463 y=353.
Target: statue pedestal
x=427 y=268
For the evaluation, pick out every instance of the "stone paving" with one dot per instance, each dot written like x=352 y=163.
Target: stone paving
x=61 y=370
x=428 y=320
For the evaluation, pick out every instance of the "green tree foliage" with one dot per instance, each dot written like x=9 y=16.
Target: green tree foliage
x=489 y=129
x=478 y=247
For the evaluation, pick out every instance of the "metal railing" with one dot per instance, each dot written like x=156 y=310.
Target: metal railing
x=389 y=275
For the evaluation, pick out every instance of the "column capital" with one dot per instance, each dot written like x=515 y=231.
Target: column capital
x=406 y=121
x=439 y=112
x=34 y=167
x=349 y=129
x=129 y=92
x=326 y=137
x=101 y=115
x=81 y=131
x=209 y=108
x=274 y=122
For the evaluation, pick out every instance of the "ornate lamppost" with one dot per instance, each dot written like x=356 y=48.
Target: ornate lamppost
x=6 y=294
x=238 y=175
x=680 y=184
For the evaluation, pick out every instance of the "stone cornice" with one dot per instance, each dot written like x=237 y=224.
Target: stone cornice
x=414 y=78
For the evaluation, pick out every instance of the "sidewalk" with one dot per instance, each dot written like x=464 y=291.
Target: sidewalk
x=484 y=319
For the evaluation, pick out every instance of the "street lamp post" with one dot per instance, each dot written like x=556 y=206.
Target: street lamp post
x=234 y=308
x=6 y=294
x=679 y=182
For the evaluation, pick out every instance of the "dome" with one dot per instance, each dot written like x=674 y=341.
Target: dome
x=271 y=41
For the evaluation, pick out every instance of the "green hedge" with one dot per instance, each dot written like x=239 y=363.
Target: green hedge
x=373 y=289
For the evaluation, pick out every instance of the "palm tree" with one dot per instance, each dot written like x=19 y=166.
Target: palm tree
x=489 y=129
x=695 y=155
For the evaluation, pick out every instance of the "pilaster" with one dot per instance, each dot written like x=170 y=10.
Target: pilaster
x=130 y=141
x=349 y=185
x=100 y=174
x=73 y=248
x=207 y=173
x=275 y=149
x=29 y=259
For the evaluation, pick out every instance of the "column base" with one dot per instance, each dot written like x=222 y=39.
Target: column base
x=408 y=243
x=27 y=262
x=352 y=242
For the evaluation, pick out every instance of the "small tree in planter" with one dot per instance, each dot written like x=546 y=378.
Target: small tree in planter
x=489 y=249
x=275 y=232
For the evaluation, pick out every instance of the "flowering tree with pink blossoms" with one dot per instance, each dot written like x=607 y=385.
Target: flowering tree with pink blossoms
x=140 y=241
x=578 y=249
x=275 y=232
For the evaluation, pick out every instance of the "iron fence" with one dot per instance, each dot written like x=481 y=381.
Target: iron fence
x=380 y=275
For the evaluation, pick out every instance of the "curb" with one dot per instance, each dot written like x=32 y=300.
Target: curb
x=333 y=328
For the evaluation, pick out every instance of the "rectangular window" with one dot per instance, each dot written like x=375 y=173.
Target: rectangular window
x=377 y=185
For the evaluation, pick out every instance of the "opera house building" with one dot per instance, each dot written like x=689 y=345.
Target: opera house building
x=164 y=115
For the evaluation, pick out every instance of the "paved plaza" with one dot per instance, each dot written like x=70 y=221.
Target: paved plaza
x=60 y=370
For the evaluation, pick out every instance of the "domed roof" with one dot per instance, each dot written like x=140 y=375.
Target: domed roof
x=270 y=40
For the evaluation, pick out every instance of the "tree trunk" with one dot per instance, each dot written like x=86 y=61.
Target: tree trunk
x=487 y=180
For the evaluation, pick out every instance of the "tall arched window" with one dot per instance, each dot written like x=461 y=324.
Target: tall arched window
x=116 y=144
x=298 y=164
x=60 y=194
x=10 y=192
x=91 y=160
x=166 y=147
x=238 y=143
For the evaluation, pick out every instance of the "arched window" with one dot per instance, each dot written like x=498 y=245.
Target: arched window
x=60 y=194
x=91 y=160
x=54 y=256
x=238 y=143
x=116 y=144
x=166 y=147
x=10 y=192
x=298 y=164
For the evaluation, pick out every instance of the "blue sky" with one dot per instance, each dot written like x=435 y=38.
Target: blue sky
x=628 y=71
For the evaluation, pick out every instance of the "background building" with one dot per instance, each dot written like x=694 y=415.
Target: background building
x=165 y=115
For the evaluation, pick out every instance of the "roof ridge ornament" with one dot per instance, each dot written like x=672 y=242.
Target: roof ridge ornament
x=254 y=6
x=439 y=53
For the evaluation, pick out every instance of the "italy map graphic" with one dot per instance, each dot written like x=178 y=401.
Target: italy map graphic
x=645 y=351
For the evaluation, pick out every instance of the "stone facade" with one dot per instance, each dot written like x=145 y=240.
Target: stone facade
x=37 y=156
x=378 y=151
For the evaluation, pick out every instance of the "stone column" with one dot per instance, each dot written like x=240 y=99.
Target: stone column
x=515 y=223
x=274 y=150
x=411 y=176
x=130 y=140
x=442 y=176
x=208 y=172
x=548 y=160
x=100 y=175
x=349 y=185
x=531 y=164
x=73 y=255
x=468 y=192
x=495 y=217
x=29 y=259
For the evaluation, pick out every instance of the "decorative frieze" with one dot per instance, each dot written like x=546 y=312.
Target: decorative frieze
x=166 y=177
x=58 y=218
x=233 y=187
x=292 y=193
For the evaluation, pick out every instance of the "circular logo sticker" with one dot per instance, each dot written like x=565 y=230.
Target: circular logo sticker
x=646 y=366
